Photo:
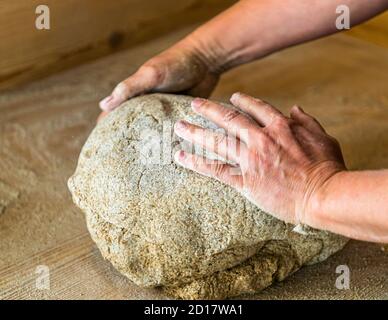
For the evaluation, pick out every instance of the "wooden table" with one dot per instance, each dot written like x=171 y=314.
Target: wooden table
x=341 y=80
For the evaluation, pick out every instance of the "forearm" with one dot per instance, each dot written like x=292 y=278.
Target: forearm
x=354 y=204
x=252 y=29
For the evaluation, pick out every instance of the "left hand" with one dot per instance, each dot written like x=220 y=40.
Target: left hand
x=282 y=162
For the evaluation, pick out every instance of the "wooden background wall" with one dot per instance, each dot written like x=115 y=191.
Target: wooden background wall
x=82 y=30
x=85 y=29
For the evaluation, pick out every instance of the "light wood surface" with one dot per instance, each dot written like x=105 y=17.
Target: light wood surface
x=84 y=30
x=43 y=126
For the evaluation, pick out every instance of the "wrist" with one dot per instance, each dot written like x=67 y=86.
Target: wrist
x=211 y=54
x=317 y=192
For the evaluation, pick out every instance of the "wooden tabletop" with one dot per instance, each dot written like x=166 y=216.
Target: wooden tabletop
x=340 y=80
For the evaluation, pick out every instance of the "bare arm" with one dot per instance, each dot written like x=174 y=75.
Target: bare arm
x=354 y=204
x=248 y=30
x=252 y=29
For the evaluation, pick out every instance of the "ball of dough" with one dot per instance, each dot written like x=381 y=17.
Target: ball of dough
x=162 y=225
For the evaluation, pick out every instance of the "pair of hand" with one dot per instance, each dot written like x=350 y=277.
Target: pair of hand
x=282 y=163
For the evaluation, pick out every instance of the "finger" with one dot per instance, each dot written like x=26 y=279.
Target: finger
x=234 y=122
x=210 y=168
x=227 y=147
x=306 y=120
x=259 y=110
x=143 y=80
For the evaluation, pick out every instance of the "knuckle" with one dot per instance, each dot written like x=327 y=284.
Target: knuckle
x=215 y=142
x=192 y=133
x=122 y=89
x=279 y=122
x=251 y=136
x=219 y=139
x=262 y=141
x=265 y=138
x=152 y=72
x=192 y=130
x=195 y=162
x=261 y=102
x=219 y=170
x=230 y=115
x=266 y=142
x=204 y=103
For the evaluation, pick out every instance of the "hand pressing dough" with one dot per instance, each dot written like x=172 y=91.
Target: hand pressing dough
x=164 y=226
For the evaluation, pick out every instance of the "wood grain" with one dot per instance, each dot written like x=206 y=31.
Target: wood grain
x=84 y=30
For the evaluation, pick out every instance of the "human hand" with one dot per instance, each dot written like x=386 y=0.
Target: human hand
x=282 y=162
x=184 y=68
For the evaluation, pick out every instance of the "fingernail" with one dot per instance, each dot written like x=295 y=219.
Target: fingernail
x=104 y=104
x=180 y=125
x=299 y=108
x=235 y=96
x=180 y=155
x=197 y=102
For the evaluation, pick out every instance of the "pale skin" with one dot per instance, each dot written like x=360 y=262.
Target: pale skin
x=287 y=165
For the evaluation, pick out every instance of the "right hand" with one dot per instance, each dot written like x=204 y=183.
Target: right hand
x=180 y=69
x=282 y=164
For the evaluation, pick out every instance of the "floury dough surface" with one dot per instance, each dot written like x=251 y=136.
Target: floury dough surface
x=164 y=226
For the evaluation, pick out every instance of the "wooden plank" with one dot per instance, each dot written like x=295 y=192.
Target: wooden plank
x=84 y=30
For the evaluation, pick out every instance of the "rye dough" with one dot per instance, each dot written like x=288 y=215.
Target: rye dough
x=163 y=226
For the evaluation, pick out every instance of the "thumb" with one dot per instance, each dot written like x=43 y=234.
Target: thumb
x=145 y=79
